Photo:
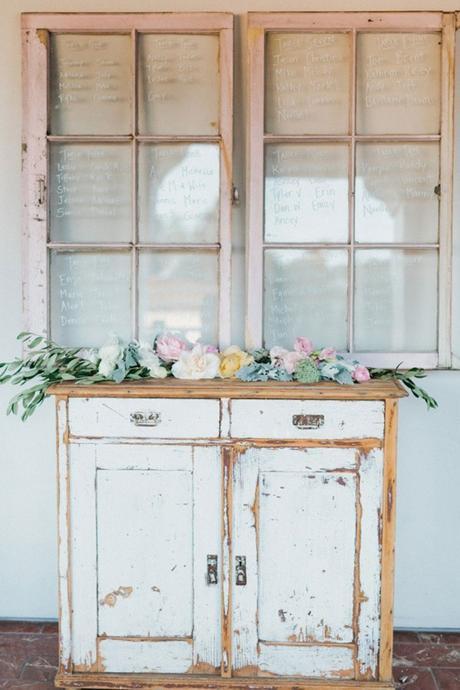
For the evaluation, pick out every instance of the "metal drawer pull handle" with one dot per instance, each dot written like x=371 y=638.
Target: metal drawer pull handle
x=240 y=571
x=308 y=421
x=212 y=569
x=145 y=418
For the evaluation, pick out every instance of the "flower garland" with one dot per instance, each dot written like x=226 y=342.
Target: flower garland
x=172 y=355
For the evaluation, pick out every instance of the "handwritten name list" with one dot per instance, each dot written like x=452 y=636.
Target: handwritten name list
x=307 y=83
x=90 y=84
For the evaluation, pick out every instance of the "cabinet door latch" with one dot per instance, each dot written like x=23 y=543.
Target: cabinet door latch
x=240 y=570
x=308 y=421
x=212 y=569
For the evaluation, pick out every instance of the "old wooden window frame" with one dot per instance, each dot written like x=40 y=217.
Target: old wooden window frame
x=258 y=25
x=36 y=28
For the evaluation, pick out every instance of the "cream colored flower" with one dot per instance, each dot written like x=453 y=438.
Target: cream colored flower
x=109 y=355
x=232 y=360
x=196 y=364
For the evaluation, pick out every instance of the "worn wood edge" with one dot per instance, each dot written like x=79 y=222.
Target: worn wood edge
x=388 y=541
x=132 y=681
x=215 y=388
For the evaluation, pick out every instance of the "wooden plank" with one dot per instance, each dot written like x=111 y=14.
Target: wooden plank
x=313 y=460
x=63 y=499
x=35 y=180
x=318 y=662
x=173 y=418
x=125 y=21
x=368 y=633
x=370 y=21
x=146 y=457
x=388 y=542
x=255 y=186
x=244 y=530
x=175 y=388
x=283 y=419
x=83 y=556
x=131 y=656
x=306 y=562
x=446 y=182
x=226 y=555
x=207 y=509
x=171 y=682
x=145 y=558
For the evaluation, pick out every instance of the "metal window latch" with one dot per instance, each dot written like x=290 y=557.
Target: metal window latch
x=437 y=190
x=308 y=421
x=40 y=190
x=148 y=418
x=212 y=569
x=240 y=571
x=235 y=196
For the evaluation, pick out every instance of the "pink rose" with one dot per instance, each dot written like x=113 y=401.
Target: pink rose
x=303 y=345
x=361 y=374
x=170 y=347
x=328 y=353
x=285 y=358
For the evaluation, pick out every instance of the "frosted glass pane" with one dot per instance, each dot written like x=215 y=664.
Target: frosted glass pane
x=90 y=192
x=306 y=294
x=306 y=193
x=90 y=84
x=178 y=291
x=90 y=296
x=307 y=83
x=179 y=193
x=396 y=295
x=395 y=197
x=178 y=79
x=399 y=83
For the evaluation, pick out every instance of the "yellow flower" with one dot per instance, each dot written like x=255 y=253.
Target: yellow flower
x=232 y=359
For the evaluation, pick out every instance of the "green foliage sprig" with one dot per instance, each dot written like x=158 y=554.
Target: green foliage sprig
x=407 y=379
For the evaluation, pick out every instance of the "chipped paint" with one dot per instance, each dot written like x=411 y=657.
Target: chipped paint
x=112 y=598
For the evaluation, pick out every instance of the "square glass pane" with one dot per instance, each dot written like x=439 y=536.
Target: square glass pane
x=398 y=83
x=395 y=197
x=178 y=291
x=90 y=84
x=178 y=191
x=396 y=300
x=306 y=294
x=90 y=192
x=178 y=84
x=306 y=193
x=307 y=83
x=90 y=296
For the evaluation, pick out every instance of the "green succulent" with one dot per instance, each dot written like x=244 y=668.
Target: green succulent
x=306 y=371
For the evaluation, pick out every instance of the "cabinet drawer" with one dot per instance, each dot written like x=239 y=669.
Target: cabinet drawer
x=322 y=419
x=144 y=417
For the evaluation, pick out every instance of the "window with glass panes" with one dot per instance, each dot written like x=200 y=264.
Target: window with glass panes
x=127 y=143
x=350 y=133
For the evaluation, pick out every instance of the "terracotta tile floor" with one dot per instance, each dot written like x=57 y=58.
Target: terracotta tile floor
x=422 y=661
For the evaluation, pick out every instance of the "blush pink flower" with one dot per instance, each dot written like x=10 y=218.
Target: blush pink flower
x=303 y=345
x=211 y=348
x=170 y=347
x=328 y=353
x=287 y=359
x=361 y=374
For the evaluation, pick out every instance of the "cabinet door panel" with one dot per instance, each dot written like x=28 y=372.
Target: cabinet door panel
x=309 y=529
x=143 y=521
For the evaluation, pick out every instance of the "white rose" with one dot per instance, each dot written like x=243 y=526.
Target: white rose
x=109 y=356
x=90 y=354
x=149 y=360
x=196 y=364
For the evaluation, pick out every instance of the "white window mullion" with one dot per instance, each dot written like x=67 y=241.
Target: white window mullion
x=446 y=182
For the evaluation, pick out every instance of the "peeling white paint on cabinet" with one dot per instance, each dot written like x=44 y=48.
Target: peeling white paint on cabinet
x=144 y=418
x=370 y=475
x=64 y=574
x=309 y=419
x=140 y=656
x=157 y=529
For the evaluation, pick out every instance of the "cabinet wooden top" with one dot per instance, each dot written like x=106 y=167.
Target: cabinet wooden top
x=233 y=388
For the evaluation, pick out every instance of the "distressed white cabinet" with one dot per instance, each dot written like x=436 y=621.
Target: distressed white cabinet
x=226 y=534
